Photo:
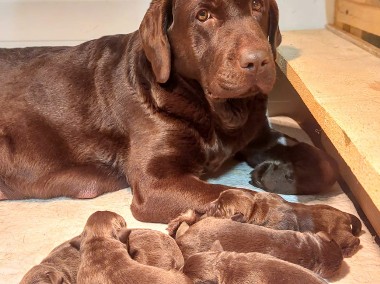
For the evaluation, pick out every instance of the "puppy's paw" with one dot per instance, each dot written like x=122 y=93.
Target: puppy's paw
x=275 y=176
x=190 y=217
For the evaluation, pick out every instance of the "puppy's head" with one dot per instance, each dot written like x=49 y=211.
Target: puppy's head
x=104 y=224
x=331 y=257
x=227 y=46
x=201 y=267
x=42 y=274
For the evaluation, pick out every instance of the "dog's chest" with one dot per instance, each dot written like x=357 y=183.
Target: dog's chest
x=216 y=152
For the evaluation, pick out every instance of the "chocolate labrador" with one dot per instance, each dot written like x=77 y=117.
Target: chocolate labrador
x=317 y=252
x=104 y=257
x=154 y=109
x=59 y=267
x=145 y=246
x=219 y=267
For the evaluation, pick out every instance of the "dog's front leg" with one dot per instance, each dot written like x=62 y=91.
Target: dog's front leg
x=161 y=200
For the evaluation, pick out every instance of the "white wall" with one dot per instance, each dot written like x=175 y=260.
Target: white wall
x=46 y=22
x=302 y=14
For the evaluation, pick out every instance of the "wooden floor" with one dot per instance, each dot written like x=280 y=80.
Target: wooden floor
x=340 y=84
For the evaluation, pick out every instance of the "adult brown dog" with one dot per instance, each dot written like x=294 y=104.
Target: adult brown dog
x=155 y=109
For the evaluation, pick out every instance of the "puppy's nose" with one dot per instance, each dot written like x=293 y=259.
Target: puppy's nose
x=254 y=60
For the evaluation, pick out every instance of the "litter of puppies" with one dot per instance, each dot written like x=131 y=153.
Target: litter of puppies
x=202 y=249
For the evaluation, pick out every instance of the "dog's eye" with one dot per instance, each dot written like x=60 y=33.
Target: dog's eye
x=203 y=15
x=257 y=5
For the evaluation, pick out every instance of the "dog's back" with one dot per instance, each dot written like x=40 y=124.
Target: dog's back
x=237 y=268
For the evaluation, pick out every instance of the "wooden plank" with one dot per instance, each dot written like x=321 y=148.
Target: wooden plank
x=362 y=16
x=340 y=84
x=369 y=2
x=357 y=41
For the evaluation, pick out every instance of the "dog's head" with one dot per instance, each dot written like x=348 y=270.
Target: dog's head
x=44 y=274
x=201 y=267
x=227 y=46
x=104 y=224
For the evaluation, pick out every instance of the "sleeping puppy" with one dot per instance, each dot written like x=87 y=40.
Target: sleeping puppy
x=105 y=258
x=284 y=165
x=59 y=267
x=220 y=267
x=298 y=169
x=154 y=248
x=148 y=247
x=272 y=211
x=316 y=252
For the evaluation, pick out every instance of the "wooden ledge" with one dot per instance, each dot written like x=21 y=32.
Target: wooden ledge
x=340 y=84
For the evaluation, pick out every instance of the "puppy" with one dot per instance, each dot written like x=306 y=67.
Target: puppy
x=316 y=252
x=272 y=211
x=217 y=266
x=59 y=267
x=154 y=248
x=105 y=258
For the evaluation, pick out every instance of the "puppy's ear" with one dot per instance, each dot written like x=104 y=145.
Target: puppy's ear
x=239 y=217
x=75 y=242
x=154 y=38
x=217 y=246
x=55 y=277
x=123 y=236
x=275 y=37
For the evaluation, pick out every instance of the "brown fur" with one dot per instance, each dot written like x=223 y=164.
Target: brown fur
x=155 y=249
x=272 y=211
x=105 y=258
x=316 y=252
x=59 y=267
x=145 y=246
x=218 y=267
x=157 y=108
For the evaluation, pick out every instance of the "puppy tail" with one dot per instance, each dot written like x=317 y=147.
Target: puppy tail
x=356 y=225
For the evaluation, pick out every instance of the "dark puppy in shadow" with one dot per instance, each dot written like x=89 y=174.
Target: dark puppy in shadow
x=284 y=165
x=217 y=266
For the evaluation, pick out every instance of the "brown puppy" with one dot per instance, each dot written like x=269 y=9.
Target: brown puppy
x=105 y=259
x=220 y=267
x=158 y=107
x=316 y=252
x=145 y=246
x=59 y=267
x=155 y=249
x=272 y=211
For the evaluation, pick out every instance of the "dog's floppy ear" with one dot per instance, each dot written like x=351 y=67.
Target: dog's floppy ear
x=55 y=277
x=275 y=37
x=154 y=38
x=123 y=236
x=75 y=242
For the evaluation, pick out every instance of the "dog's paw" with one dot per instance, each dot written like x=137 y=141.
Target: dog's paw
x=274 y=176
x=189 y=217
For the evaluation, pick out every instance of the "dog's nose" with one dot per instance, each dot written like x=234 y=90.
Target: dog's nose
x=254 y=60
